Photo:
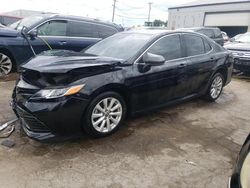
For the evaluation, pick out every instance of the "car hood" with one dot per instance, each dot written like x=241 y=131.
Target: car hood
x=8 y=32
x=62 y=67
x=238 y=46
x=63 y=61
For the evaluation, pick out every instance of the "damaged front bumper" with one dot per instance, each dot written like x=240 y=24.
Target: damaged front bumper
x=33 y=127
x=51 y=119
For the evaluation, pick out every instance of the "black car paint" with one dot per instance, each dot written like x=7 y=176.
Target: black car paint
x=143 y=87
x=235 y=178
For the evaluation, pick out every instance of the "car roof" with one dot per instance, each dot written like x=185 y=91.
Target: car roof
x=159 y=33
x=79 y=18
x=148 y=31
x=47 y=16
x=197 y=28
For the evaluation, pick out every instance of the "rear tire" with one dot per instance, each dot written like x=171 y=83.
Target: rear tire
x=104 y=115
x=215 y=87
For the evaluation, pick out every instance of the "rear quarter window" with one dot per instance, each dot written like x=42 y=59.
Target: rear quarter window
x=207 y=46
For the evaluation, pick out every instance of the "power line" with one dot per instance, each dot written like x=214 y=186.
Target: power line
x=124 y=15
x=128 y=17
x=113 y=14
x=131 y=7
x=128 y=13
x=128 y=9
x=149 y=10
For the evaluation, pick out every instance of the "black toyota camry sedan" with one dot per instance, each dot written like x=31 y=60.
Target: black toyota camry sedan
x=61 y=92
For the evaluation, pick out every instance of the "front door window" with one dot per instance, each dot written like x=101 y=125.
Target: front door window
x=53 y=28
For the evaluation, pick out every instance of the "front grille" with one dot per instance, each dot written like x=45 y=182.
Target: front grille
x=25 y=93
x=240 y=54
x=31 y=122
x=242 y=62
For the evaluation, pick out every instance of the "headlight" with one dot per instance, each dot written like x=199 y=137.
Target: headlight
x=245 y=173
x=56 y=93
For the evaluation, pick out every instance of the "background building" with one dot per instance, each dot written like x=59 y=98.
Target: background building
x=7 y=18
x=22 y=13
x=231 y=16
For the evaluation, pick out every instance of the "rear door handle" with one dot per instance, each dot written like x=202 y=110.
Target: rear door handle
x=182 y=65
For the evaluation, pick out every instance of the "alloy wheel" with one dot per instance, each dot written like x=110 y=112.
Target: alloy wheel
x=107 y=114
x=5 y=64
x=216 y=87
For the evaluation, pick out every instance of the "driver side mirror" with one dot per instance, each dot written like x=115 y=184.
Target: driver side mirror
x=33 y=34
x=153 y=59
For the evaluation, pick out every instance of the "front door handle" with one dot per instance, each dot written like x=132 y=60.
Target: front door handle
x=62 y=42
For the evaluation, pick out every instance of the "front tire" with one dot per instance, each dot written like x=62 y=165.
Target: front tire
x=105 y=114
x=215 y=88
x=6 y=64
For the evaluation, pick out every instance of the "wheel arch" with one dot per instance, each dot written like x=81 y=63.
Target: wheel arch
x=115 y=87
x=223 y=70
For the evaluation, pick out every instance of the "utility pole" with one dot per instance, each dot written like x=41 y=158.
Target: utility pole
x=149 y=11
x=113 y=15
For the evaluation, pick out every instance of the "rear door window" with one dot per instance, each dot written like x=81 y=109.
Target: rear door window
x=194 y=45
x=105 y=31
x=169 y=47
x=81 y=29
x=53 y=28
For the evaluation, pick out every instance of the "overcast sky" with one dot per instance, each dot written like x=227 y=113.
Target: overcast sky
x=128 y=12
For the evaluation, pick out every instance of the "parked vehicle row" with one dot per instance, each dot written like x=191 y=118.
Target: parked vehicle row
x=60 y=92
x=51 y=31
x=46 y=31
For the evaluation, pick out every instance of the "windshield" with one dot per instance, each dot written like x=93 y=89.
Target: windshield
x=26 y=22
x=245 y=38
x=121 y=45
